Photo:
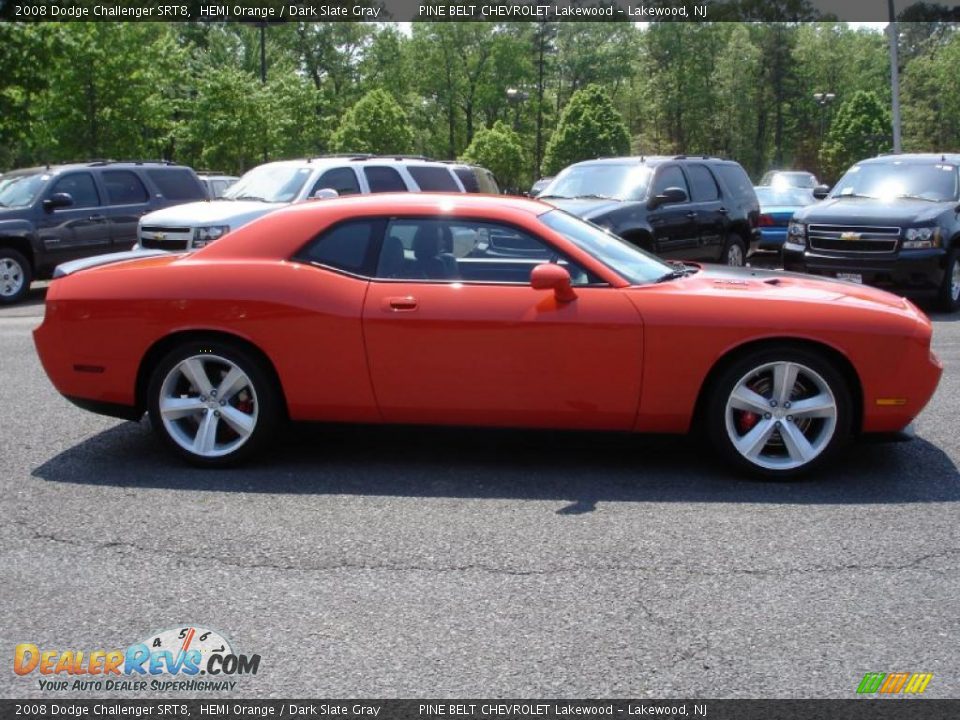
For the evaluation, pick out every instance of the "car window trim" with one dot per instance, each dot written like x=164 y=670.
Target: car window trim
x=372 y=255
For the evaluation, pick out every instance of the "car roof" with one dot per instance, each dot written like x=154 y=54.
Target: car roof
x=931 y=158
x=54 y=168
x=651 y=160
x=359 y=159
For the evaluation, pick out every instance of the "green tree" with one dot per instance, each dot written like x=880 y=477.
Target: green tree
x=499 y=150
x=860 y=129
x=376 y=124
x=590 y=127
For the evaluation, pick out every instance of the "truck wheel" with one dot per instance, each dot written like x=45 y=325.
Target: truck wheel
x=14 y=276
x=950 y=287
x=734 y=252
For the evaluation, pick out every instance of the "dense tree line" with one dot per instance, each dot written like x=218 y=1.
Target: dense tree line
x=193 y=92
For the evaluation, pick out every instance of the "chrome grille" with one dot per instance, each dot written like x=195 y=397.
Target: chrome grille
x=853 y=238
x=156 y=237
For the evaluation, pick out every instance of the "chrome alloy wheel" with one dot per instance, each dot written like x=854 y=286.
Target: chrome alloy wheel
x=781 y=415
x=208 y=405
x=735 y=256
x=955 y=282
x=11 y=277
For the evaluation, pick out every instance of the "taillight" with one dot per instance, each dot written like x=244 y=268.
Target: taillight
x=765 y=220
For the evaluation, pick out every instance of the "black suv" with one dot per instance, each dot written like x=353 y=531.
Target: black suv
x=683 y=208
x=52 y=214
x=892 y=221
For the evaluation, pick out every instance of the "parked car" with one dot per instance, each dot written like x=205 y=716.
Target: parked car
x=390 y=309
x=790 y=178
x=52 y=214
x=680 y=208
x=540 y=185
x=777 y=206
x=214 y=183
x=892 y=221
x=271 y=186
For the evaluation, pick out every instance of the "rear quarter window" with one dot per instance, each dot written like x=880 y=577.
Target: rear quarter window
x=737 y=183
x=177 y=184
x=433 y=179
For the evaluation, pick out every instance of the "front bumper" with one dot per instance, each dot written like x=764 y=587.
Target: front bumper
x=913 y=273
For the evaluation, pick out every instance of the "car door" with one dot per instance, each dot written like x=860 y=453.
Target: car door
x=674 y=224
x=711 y=214
x=457 y=336
x=127 y=200
x=78 y=230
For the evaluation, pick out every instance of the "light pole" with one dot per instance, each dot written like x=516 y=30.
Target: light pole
x=823 y=99
x=515 y=97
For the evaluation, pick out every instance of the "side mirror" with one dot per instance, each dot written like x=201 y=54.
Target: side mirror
x=668 y=196
x=550 y=276
x=57 y=200
x=325 y=194
x=821 y=191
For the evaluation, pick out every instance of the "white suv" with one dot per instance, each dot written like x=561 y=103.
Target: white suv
x=272 y=186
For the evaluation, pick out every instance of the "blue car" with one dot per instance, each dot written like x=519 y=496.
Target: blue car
x=777 y=206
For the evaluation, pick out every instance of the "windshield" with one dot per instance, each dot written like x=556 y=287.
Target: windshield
x=630 y=262
x=607 y=180
x=270 y=183
x=21 y=190
x=781 y=179
x=899 y=179
x=790 y=196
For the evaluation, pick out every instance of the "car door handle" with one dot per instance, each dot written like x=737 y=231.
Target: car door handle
x=98 y=218
x=723 y=211
x=400 y=304
x=691 y=214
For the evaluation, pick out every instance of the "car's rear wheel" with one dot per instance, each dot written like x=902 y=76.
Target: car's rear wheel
x=14 y=276
x=950 y=288
x=734 y=252
x=780 y=412
x=213 y=403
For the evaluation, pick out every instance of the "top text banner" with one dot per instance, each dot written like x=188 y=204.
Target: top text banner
x=267 y=11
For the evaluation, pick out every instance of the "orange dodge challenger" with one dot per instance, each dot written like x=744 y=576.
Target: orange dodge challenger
x=471 y=310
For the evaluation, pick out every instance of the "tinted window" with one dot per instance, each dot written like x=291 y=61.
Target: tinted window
x=124 y=188
x=433 y=179
x=737 y=182
x=344 y=247
x=465 y=250
x=702 y=184
x=343 y=180
x=668 y=177
x=468 y=179
x=384 y=179
x=81 y=188
x=177 y=183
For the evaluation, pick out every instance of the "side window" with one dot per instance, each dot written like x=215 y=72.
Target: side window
x=342 y=179
x=384 y=179
x=433 y=179
x=177 y=183
x=466 y=251
x=469 y=180
x=124 y=188
x=702 y=184
x=81 y=188
x=737 y=182
x=344 y=247
x=668 y=177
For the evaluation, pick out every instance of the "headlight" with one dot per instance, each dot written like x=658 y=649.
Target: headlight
x=796 y=236
x=921 y=238
x=204 y=235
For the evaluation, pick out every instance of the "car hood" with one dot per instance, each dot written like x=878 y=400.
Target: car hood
x=213 y=212
x=866 y=211
x=777 y=284
x=586 y=208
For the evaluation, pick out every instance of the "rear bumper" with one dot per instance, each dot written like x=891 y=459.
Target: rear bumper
x=771 y=238
x=914 y=273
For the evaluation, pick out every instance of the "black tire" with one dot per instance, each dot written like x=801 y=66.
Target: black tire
x=15 y=276
x=254 y=401
x=949 y=296
x=780 y=455
x=734 y=252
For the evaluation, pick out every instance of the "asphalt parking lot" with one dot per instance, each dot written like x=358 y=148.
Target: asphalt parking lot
x=375 y=562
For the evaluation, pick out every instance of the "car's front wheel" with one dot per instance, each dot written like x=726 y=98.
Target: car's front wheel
x=14 y=276
x=213 y=403
x=780 y=412
x=734 y=252
x=950 y=289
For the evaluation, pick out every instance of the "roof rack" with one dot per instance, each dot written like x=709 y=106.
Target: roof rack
x=99 y=163
x=395 y=157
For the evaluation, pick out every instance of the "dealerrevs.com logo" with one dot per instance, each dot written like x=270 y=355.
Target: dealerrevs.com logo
x=187 y=658
x=894 y=683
